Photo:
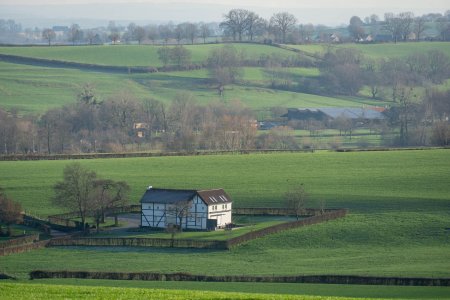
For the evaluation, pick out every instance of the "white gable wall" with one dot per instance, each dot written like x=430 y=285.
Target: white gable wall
x=220 y=212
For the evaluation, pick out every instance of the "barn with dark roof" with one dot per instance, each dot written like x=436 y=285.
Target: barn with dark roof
x=188 y=209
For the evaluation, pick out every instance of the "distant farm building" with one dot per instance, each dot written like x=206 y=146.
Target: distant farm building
x=141 y=129
x=187 y=209
x=330 y=113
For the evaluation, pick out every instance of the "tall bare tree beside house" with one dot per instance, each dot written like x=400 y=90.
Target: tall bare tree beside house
x=76 y=191
x=296 y=198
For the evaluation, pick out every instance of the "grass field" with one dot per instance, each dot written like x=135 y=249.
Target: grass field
x=328 y=290
x=35 y=89
x=134 y=55
x=397 y=226
x=362 y=181
x=81 y=289
x=38 y=291
x=387 y=50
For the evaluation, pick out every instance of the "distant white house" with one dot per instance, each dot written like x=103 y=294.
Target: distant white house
x=189 y=209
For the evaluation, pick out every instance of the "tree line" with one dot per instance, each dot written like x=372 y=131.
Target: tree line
x=237 y=25
x=418 y=114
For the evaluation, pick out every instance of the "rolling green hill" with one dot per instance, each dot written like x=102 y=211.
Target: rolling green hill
x=133 y=55
x=398 y=203
x=387 y=50
x=36 y=89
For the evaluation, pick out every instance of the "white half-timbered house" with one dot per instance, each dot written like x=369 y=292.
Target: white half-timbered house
x=189 y=209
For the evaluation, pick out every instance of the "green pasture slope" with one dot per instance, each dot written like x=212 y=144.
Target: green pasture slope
x=133 y=55
x=33 y=89
x=399 y=203
x=386 y=50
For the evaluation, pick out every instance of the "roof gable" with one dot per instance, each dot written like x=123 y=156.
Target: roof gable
x=211 y=197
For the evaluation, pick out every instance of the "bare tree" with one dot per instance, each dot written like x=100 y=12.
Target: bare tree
x=283 y=22
x=108 y=194
x=164 y=54
x=223 y=64
x=76 y=190
x=204 y=32
x=419 y=27
x=178 y=211
x=252 y=23
x=139 y=34
x=296 y=198
x=399 y=25
x=10 y=213
x=114 y=33
x=49 y=35
x=191 y=32
x=75 y=33
x=236 y=22
x=180 y=56
x=438 y=65
x=356 y=28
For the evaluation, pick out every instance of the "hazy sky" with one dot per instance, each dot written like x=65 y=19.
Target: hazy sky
x=328 y=12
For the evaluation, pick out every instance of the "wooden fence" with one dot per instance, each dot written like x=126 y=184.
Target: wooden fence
x=323 y=279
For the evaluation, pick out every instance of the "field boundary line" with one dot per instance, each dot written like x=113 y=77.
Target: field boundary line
x=321 y=279
x=31 y=157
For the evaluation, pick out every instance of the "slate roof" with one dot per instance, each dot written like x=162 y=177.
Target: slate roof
x=367 y=113
x=153 y=195
x=169 y=196
x=352 y=113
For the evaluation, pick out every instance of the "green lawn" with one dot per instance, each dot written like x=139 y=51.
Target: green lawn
x=245 y=224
